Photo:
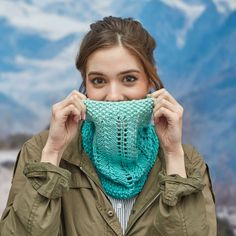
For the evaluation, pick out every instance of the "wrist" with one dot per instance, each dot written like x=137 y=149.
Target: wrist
x=50 y=155
x=175 y=163
x=177 y=152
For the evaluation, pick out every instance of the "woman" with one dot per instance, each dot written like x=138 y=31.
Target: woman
x=103 y=168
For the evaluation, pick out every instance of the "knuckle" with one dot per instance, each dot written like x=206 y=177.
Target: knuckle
x=70 y=94
x=75 y=97
x=72 y=98
x=166 y=93
x=74 y=92
x=55 y=115
x=81 y=95
x=84 y=107
x=54 y=109
x=178 y=117
x=71 y=107
x=180 y=111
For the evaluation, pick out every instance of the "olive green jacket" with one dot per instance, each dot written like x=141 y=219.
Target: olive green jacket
x=69 y=200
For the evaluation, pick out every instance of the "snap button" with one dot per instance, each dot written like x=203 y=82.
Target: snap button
x=62 y=181
x=110 y=213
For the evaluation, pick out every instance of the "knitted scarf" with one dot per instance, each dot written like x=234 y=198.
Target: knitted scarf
x=121 y=142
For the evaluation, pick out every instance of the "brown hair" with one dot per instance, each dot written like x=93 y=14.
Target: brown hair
x=129 y=33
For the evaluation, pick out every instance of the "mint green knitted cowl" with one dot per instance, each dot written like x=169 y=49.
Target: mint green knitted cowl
x=121 y=142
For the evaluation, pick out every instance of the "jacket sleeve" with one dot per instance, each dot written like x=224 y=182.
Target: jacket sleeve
x=187 y=205
x=34 y=204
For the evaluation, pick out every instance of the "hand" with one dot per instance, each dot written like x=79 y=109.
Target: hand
x=63 y=128
x=168 y=115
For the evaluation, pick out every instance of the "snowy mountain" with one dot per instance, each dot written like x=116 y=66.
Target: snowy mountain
x=210 y=122
x=14 y=116
x=196 y=59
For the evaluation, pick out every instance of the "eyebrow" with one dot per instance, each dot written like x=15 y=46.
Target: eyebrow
x=121 y=73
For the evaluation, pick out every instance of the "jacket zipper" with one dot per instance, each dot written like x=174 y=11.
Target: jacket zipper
x=142 y=211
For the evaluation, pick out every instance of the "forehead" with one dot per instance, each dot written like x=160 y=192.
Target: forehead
x=115 y=58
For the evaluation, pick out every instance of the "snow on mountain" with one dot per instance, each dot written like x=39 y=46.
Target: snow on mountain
x=14 y=117
x=225 y=6
x=210 y=49
x=210 y=112
x=41 y=83
x=32 y=19
x=191 y=13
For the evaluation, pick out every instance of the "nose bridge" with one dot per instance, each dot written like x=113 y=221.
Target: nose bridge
x=114 y=92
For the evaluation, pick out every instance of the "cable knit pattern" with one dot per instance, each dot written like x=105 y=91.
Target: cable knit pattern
x=121 y=142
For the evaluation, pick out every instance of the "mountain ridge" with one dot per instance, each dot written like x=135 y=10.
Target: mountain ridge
x=201 y=75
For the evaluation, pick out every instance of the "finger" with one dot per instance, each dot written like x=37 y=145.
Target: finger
x=157 y=93
x=73 y=96
x=169 y=115
x=165 y=103
x=63 y=105
x=163 y=93
x=83 y=109
x=72 y=111
x=76 y=93
x=63 y=114
x=74 y=99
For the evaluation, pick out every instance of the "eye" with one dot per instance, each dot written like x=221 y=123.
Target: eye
x=97 y=80
x=129 y=78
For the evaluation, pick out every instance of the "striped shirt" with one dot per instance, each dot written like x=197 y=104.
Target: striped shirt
x=123 y=209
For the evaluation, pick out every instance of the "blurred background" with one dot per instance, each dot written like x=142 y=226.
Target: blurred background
x=195 y=56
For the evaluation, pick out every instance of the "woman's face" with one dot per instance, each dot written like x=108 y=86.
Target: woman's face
x=114 y=74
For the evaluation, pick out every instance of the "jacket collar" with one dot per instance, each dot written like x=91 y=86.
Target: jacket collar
x=74 y=154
